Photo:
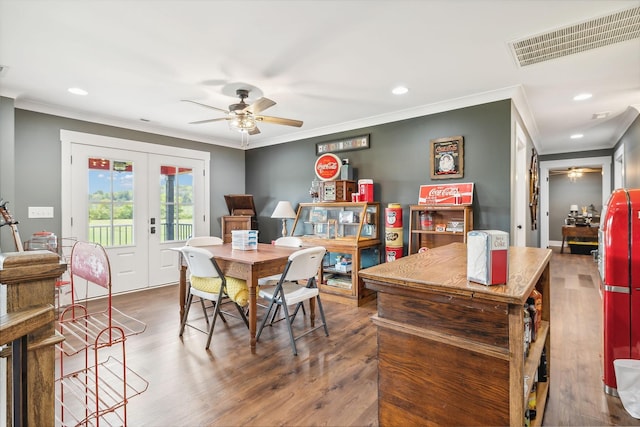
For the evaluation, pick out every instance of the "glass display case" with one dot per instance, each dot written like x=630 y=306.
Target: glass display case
x=351 y=234
x=344 y=221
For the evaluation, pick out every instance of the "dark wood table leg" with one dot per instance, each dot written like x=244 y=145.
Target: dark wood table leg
x=252 y=281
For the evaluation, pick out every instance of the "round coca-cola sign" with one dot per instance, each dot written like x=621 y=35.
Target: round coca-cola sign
x=328 y=167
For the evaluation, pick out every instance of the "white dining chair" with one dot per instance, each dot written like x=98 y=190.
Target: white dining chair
x=208 y=282
x=303 y=266
x=286 y=241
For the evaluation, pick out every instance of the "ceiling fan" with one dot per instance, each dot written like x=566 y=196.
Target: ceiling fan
x=244 y=117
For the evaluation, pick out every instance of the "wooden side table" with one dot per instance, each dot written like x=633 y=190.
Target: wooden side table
x=575 y=231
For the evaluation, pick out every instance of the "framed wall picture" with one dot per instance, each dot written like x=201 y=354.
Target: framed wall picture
x=447 y=157
x=356 y=143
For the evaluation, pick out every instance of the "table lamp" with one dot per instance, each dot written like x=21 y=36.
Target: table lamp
x=284 y=211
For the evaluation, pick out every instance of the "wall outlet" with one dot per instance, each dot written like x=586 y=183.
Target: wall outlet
x=40 y=211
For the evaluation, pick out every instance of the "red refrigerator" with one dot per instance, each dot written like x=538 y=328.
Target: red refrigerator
x=619 y=265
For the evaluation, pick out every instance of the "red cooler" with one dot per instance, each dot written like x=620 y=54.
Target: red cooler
x=619 y=265
x=365 y=188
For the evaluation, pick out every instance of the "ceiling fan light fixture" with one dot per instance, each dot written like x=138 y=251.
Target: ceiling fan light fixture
x=243 y=123
x=574 y=174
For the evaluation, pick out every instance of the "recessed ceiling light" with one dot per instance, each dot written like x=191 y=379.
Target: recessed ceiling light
x=577 y=136
x=602 y=115
x=400 y=90
x=582 y=96
x=77 y=91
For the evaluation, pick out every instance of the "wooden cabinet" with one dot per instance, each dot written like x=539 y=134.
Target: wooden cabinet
x=350 y=233
x=452 y=351
x=337 y=191
x=30 y=279
x=234 y=222
x=449 y=224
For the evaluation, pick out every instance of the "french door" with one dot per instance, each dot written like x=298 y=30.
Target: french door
x=137 y=202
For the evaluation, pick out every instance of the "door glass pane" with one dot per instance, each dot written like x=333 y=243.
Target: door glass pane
x=110 y=202
x=176 y=203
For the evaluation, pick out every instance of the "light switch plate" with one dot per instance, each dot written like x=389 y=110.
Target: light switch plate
x=40 y=211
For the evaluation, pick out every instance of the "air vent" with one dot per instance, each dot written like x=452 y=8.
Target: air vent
x=604 y=31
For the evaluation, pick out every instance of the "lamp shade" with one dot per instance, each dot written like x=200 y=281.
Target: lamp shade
x=283 y=210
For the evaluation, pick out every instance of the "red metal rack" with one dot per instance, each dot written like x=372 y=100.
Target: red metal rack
x=99 y=390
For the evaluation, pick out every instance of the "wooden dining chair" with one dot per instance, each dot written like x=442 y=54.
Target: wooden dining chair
x=208 y=282
x=303 y=266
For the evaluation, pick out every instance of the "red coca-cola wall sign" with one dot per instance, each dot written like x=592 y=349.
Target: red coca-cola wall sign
x=328 y=167
x=446 y=194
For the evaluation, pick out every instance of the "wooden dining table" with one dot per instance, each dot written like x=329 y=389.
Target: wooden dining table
x=249 y=265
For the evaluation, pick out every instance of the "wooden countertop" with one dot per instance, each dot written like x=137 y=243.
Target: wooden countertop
x=444 y=270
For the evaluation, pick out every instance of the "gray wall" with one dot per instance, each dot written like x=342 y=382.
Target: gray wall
x=38 y=168
x=563 y=193
x=398 y=163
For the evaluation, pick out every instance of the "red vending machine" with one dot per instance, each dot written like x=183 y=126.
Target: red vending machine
x=619 y=265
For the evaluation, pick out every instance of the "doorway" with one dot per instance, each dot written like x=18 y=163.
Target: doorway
x=595 y=162
x=137 y=202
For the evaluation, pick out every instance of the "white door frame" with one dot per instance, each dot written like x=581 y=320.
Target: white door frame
x=519 y=201
x=594 y=162
x=618 y=168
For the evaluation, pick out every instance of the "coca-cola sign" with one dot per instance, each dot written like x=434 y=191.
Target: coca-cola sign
x=328 y=167
x=446 y=194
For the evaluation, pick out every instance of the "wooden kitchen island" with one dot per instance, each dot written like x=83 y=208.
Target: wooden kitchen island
x=451 y=352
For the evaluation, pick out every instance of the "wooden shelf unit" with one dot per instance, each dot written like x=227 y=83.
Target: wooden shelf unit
x=444 y=214
x=452 y=351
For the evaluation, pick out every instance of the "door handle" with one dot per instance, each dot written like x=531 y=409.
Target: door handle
x=152 y=221
x=153 y=230
x=519 y=227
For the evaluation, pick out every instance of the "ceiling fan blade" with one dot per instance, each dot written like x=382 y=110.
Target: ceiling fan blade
x=210 y=120
x=260 y=105
x=255 y=131
x=206 y=106
x=279 y=121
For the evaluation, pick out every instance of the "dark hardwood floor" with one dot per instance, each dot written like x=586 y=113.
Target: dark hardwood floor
x=576 y=395
x=333 y=380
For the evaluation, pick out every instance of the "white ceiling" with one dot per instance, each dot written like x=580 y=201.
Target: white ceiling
x=331 y=64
